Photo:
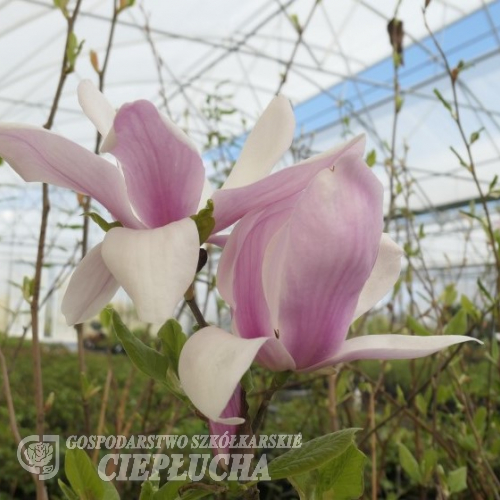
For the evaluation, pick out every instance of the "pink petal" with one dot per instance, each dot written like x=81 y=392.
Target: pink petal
x=97 y=108
x=163 y=171
x=154 y=266
x=211 y=365
x=332 y=243
x=233 y=408
x=251 y=312
x=90 y=289
x=270 y=138
x=39 y=155
x=392 y=347
x=383 y=276
x=231 y=204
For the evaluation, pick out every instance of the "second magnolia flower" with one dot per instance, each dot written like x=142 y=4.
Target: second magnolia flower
x=296 y=274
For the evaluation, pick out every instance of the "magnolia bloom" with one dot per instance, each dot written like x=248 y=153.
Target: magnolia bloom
x=158 y=184
x=296 y=274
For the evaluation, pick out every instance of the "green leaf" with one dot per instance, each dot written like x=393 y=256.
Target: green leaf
x=409 y=464
x=457 y=480
x=399 y=102
x=68 y=493
x=62 y=5
x=172 y=341
x=147 y=360
x=169 y=491
x=417 y=327
x=469 y=308
x=475 y=136
x=457 y=324
x=73 y=50
x=84 y=479
x=421 y=404
x=371 y=158
x=296 y=23
x=484 y=290
x=429 y=462
x=449 y=295
x=147 y=491
x=480 y=419
x=342 y=476
x=444 y=102
x=312 y=455
x=205 y=221
x=28 y=288
x=460 y=159
x=103 y=224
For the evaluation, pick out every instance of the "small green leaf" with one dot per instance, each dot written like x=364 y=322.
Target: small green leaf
x=296 y=23
x=73 y=50
x=469 y=308
x=341 y=477
x=62 y=5
x=172 y=341
x=421 y=404
x=205 y=221
x=84 y=479
x=311 y=455
x=147 y=491
x=444 y=102
x=475 y=136
x=344 y=475
x=484 y=291
x=457 y=480
x=68 y=493
x=103 y=224
x=146 y=359
x=399 y=102
x=371 y=158
x=460 y=159
x=28 y=288
x=169 y=491
x=429 y=462
x=417 y=327
x=457 y=324
x=409 y=464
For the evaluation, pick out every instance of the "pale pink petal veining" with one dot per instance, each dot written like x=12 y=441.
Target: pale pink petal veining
x=232 y=204
x=39 y=155
x=163 y=171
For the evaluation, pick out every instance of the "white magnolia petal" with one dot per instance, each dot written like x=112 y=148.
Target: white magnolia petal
x=391 y=346
x=154 y=266
x=97 y=108
x=211 y=365
x=270 y=138
x=384 y=274
x=90 y=288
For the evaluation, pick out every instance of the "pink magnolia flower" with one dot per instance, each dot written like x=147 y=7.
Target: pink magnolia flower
x=158 y=183
x=296 y=273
